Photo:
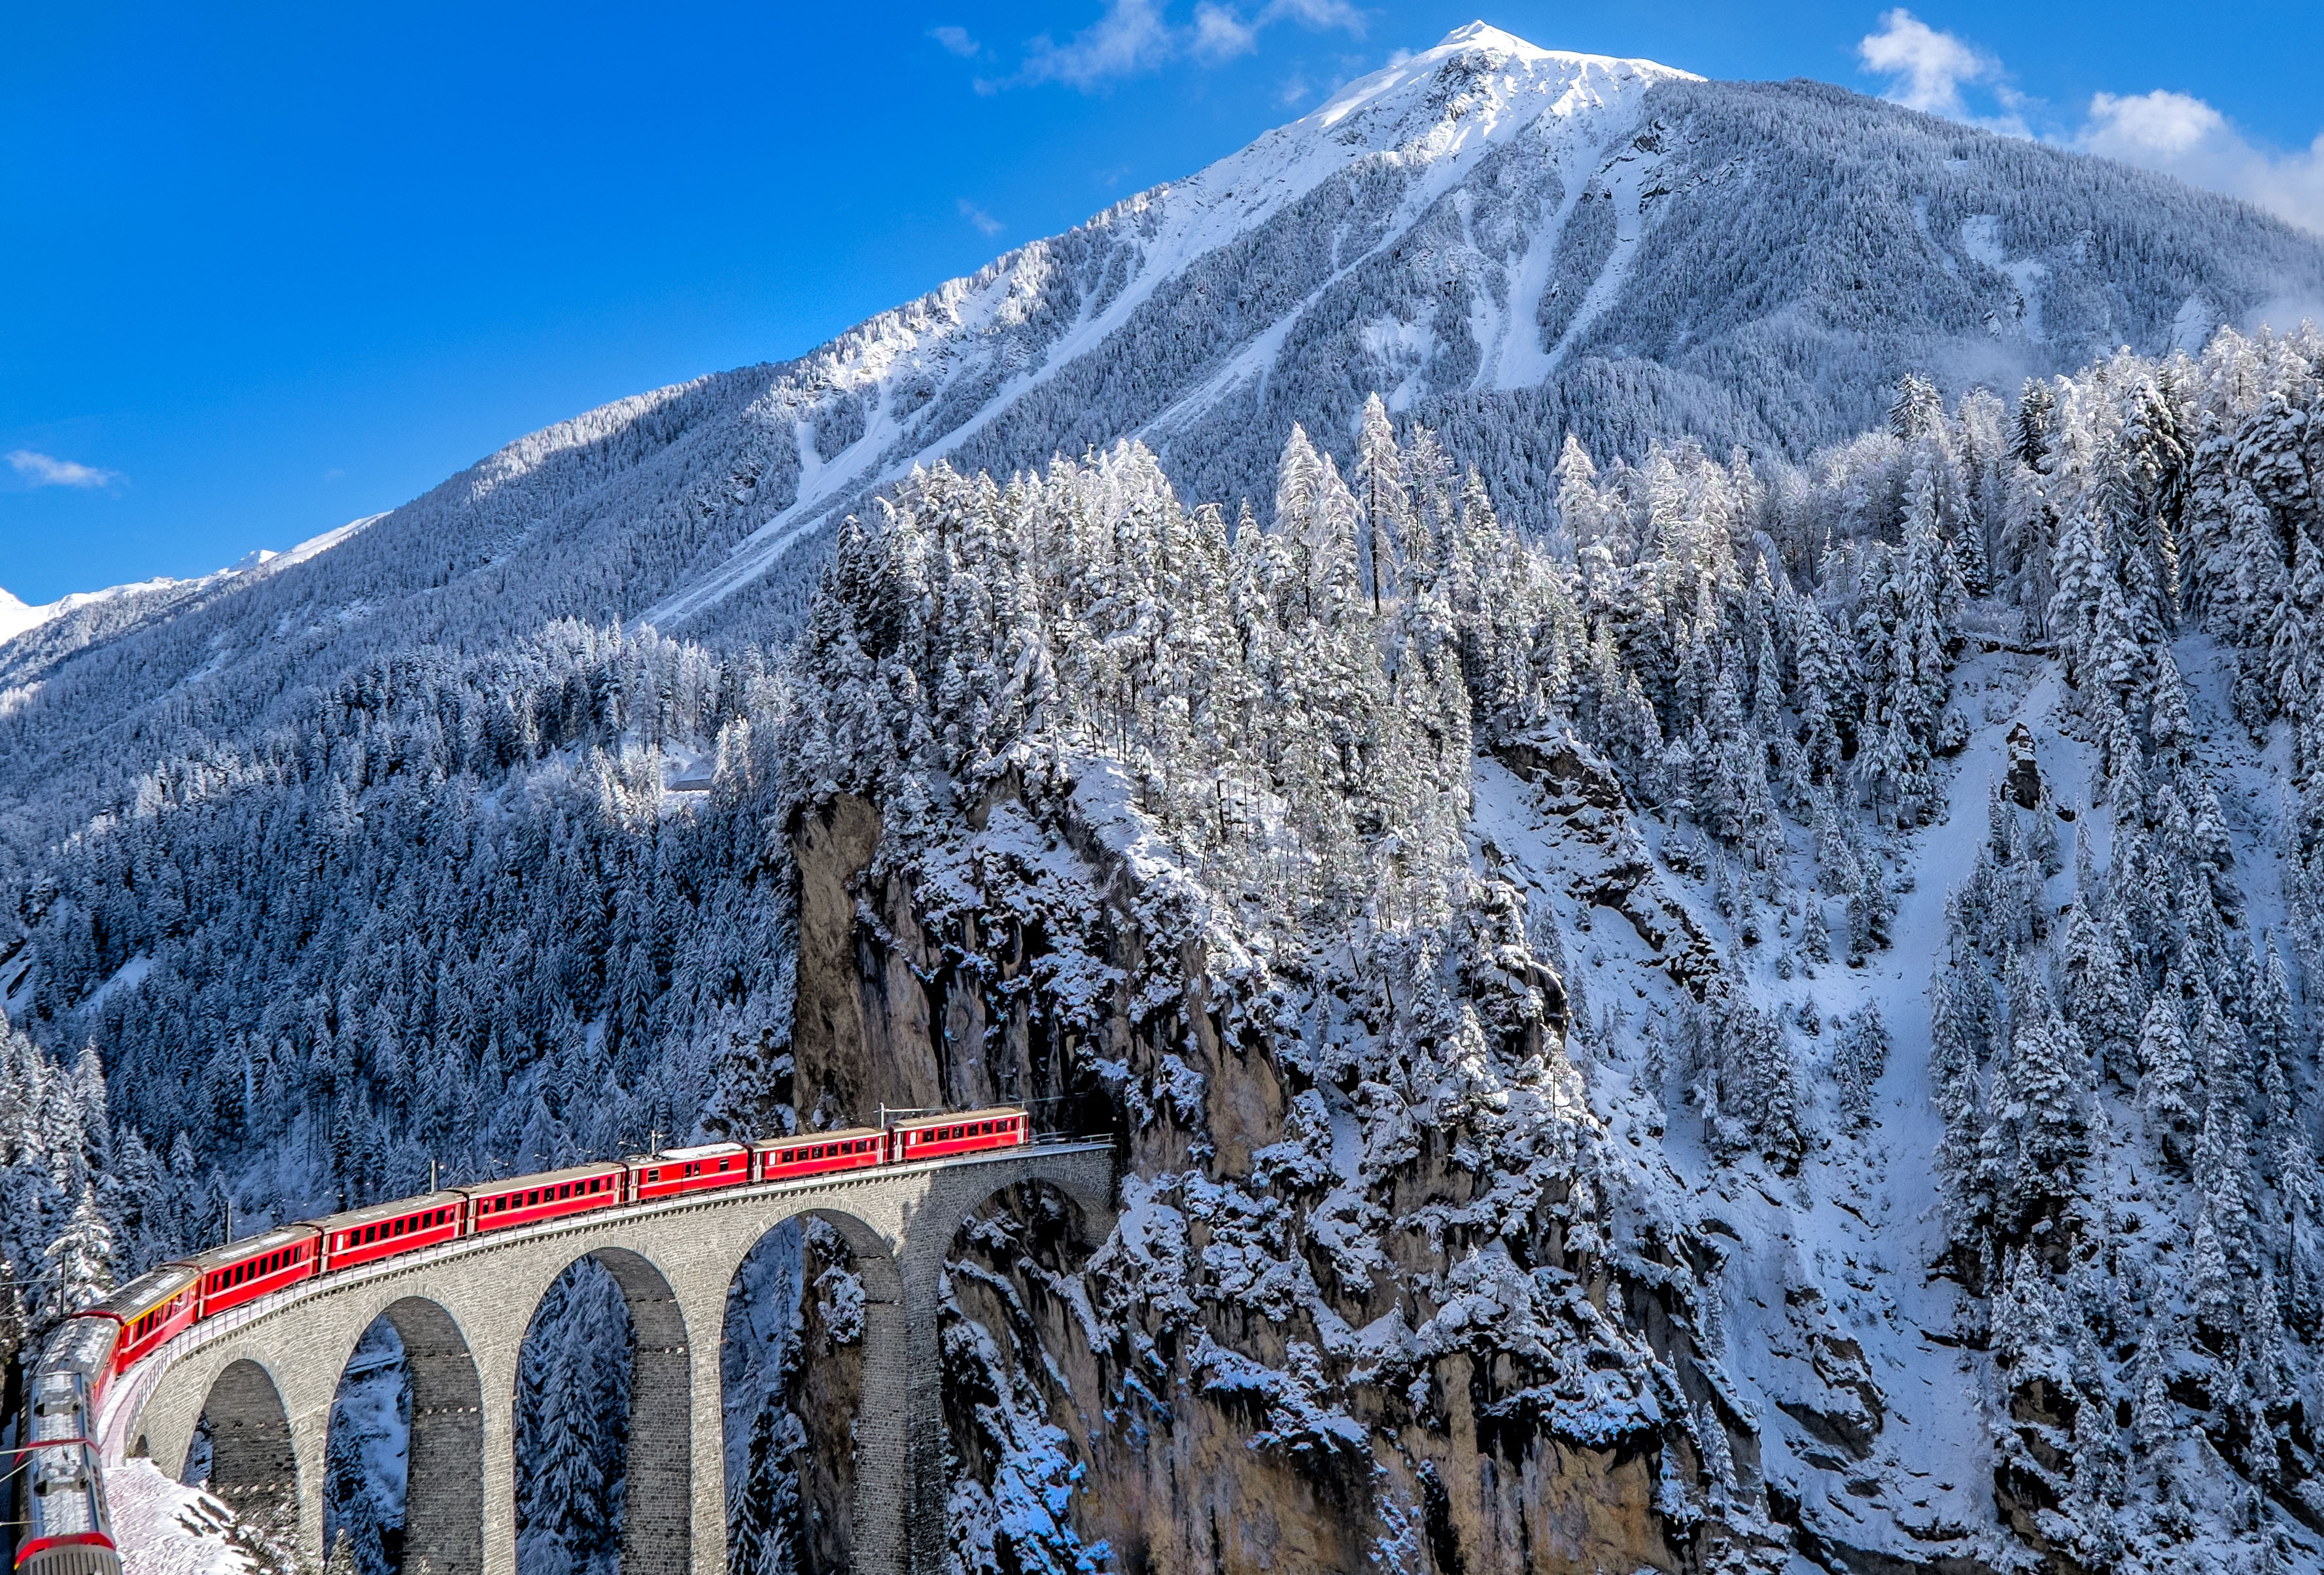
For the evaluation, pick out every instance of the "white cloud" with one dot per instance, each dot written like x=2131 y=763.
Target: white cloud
x=2173 y=133
x=1925 y=69
x=1130 y=38
x=955 y=41
x=1136 y=36
x=2183 y=136
x=983 y=220
x=41 y=470
x=1319 y=14
x=1221 y=35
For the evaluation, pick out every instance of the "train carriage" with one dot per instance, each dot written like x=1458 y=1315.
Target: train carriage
x=65 y=1528
x=530 y=1199
x=59 y=1410
x=150 y=1309
x=247 y=1270
x=676 y=1170
x=958 y=1132
x=82 y=1353
x=815 y=1153
x=364 y=1236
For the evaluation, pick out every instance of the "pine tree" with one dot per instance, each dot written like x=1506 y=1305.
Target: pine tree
x=2039 y=1135
x=2166 y=1085
x=1380 y=489
x=79 y=1267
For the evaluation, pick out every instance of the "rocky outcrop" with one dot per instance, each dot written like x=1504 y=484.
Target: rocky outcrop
x=1288 y=1358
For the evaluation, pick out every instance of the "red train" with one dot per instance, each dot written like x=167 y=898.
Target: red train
x=66 y=1529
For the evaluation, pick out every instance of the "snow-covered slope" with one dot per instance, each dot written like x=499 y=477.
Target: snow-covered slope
x=15 y=617
x=932 y=378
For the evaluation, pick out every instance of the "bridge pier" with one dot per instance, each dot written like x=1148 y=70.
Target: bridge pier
x=922 y=1377
x=442 y=1491
x=311 y=1433
x=496 y=1479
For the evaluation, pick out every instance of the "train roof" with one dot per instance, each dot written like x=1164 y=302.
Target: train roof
x=395 y=1209
x=700 y=1151
x=146 y=1292
x=797 y=1139
x=249 y=1246
x=83 y=1344
x=517 y=1184
x=947 y=1118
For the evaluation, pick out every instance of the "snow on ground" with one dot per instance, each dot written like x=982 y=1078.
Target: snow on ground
x=167 y=1529
x=15 y=617
x=128 y=976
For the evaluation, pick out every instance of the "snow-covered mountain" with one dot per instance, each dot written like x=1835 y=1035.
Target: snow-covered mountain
x=1664 y=1006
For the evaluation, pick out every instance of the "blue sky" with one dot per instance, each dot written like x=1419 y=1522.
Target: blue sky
x=272 y=268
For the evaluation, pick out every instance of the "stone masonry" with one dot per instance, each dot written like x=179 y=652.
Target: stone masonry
x=266 y=1374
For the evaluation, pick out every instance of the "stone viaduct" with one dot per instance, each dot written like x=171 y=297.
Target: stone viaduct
x=266 y=1373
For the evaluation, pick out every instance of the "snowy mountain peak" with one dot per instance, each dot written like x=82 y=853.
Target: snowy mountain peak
x=1481 y=67
x=15 y=617
x=1486 y=220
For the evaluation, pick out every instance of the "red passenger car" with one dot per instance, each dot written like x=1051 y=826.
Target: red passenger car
x=960 y=1132
x=406 y=1225
x=813 y=1153
x=148 y=1309
x=529 y=1199
x=247 y=1270
x=687 y=1170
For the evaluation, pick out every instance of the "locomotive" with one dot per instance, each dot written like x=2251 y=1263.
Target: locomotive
x=65 y=1529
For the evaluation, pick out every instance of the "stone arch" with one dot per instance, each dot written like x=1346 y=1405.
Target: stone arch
x=1085 y=1180
x=253 y=1462
x=657 y=1514
x=876 y=1432
x=444 y=1461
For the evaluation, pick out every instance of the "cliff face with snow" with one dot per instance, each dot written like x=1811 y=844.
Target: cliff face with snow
x=1659 y=1010
x=1778 y=1036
